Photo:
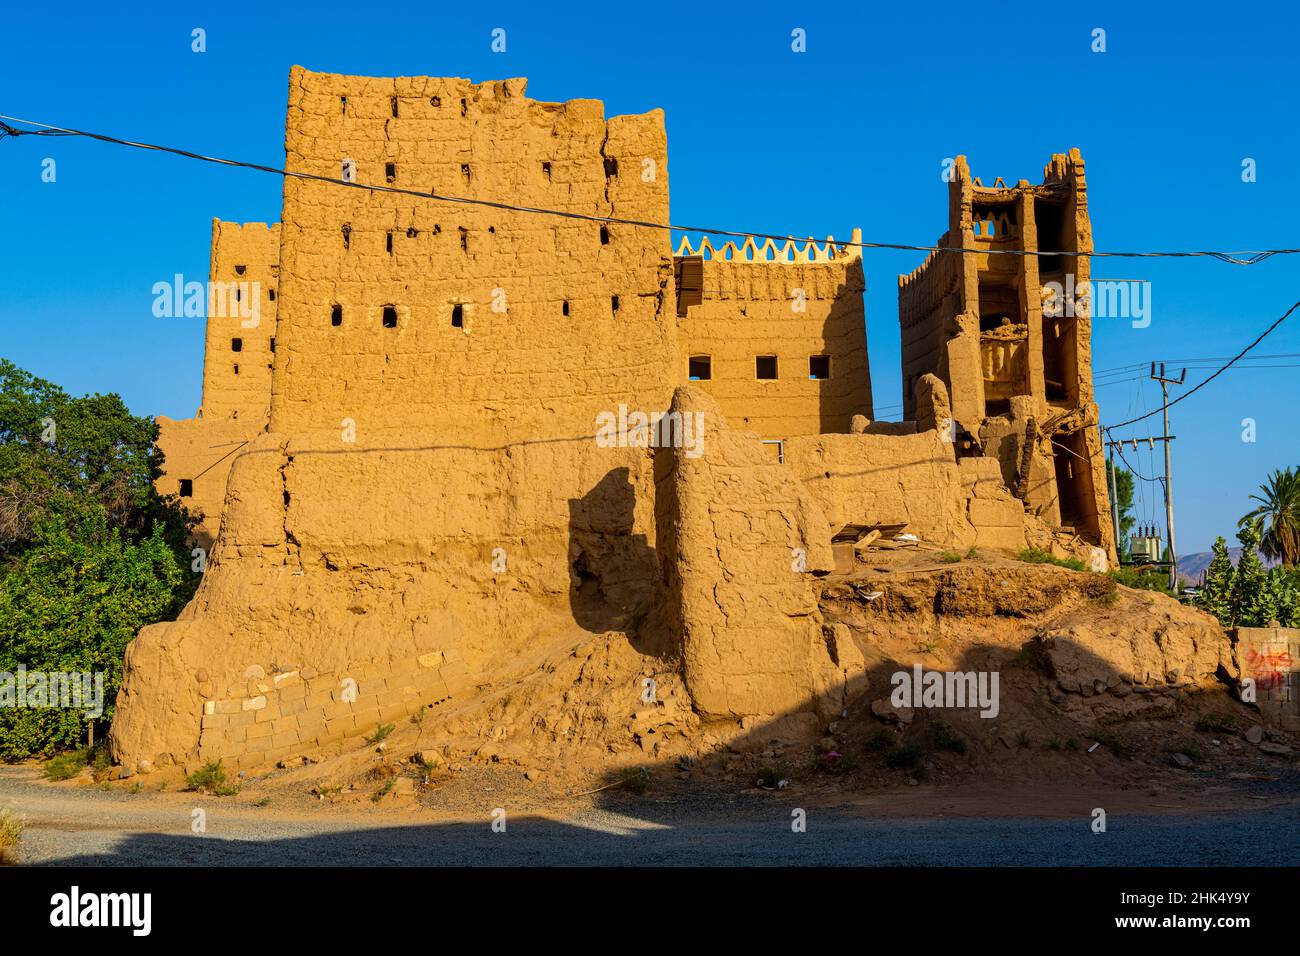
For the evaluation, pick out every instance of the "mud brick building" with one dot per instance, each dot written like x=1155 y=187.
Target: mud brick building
x=400 y=468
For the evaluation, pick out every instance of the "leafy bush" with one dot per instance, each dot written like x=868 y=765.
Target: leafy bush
x=66 y=765
x=904 y=757
x=1217 y=723
x=1118 y=746
x=1038 y=556
x=880 y=741
x=945 y=738
x=1142 y=580
x=211 y=778
x=634 y=779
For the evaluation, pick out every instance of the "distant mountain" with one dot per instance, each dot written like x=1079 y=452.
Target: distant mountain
x=1192 y=566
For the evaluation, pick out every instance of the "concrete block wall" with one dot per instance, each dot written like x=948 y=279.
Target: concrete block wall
x=1271 y=656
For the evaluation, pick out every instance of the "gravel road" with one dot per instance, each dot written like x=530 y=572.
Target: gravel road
x=92 y=827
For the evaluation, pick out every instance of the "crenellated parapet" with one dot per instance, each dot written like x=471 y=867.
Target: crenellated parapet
x=792 y=251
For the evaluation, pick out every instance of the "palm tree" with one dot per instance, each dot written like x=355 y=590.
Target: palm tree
x=1279 y=510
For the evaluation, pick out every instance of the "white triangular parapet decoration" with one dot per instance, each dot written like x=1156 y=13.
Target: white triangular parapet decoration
x=790 y=252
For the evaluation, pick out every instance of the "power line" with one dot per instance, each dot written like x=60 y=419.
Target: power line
x=1206 y=381
x=1235 y=368
x=1193 y=361
x=1241 y=258
x=1119 y=447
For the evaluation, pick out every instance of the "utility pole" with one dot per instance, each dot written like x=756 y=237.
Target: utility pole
x=1119 y=443
x=1114 y=498
x=1169 y=487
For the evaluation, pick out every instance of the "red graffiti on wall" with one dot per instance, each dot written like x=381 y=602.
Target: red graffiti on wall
x=1268 y=668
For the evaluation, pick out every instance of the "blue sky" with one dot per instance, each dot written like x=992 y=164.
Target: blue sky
x=851 y=133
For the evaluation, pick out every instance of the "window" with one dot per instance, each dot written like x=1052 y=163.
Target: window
x=273 y=345
x=347 y=237
x=343 y=103
x=435 y=101
x=271 y=294
x=240 y=270
x=390 y=172
x=611 y=166
x=565 y=308
x=819 y=367
x=699 y=368
x=394 y=102
x=546 y=170
x=236 y=345
x=457 y=316
x=390 y=317
x=336 y=315
x=604 y=235
x=388 y=244
x=187 y=487
x=765 y=367
x=613 y=303
x=236 y=369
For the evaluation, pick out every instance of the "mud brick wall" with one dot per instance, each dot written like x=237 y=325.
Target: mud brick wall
x=749 y=309
x=462 y=322
x=276 y=716
x=886 y=479
x=236 y=384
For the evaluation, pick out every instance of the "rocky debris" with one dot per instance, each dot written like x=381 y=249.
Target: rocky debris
x=1120 y=666
x=1181 y=760
x=1254 y=734
x=1276 y=750
x=886 y=711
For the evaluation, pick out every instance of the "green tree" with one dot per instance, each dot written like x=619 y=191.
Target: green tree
x=1123 y=480
x=1279 y=510
x=69 y=457
x=1216 y=595
x=71 y=605
x=89 y=552
x=1253 y=603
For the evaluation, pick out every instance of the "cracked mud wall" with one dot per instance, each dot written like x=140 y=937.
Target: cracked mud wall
x=430 y=508
x=739 y=540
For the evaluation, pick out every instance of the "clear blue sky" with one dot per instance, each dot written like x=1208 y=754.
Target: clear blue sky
x=851 y=133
